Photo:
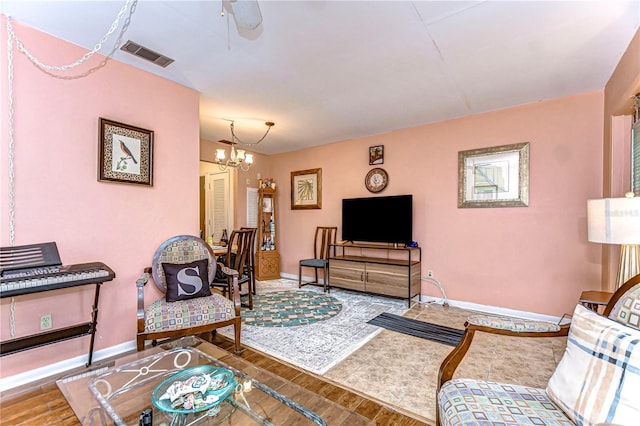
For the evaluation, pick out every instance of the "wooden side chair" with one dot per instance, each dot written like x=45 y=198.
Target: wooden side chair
x=237 y=258
x=183 y=268
x=596 y=382
x=250 y=270
x=325 y=235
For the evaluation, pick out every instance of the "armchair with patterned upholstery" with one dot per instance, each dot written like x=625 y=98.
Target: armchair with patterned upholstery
x=597 y=381
x=183 y=268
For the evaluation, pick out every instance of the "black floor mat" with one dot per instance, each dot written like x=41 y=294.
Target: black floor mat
x=437 y=333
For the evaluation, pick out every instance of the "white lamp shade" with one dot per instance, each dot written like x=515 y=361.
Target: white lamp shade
x=240 y=155
x=614 y=220
x=220 y=154
x=249 y=158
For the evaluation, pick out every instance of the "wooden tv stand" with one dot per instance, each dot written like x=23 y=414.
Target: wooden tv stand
x=376 y=268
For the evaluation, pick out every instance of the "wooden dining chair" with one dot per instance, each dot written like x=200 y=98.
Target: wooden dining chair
x=325 y=236
x=237 y=258
x=251 y=264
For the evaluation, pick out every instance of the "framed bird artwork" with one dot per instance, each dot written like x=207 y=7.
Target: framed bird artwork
x=125 y=153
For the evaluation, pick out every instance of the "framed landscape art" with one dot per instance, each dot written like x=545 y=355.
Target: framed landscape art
x=306 y=189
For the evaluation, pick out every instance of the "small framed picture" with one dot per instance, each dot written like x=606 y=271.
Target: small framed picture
x=306 y=189
x=376 y=155
x=125 y=153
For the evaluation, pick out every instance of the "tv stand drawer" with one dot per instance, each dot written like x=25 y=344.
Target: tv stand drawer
x=347 y=275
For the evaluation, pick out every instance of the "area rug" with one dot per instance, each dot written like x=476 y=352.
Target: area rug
x=290 y=308
x=425 y=330
x=318 y=346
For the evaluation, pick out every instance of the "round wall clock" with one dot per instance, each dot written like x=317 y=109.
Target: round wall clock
x=376 y=180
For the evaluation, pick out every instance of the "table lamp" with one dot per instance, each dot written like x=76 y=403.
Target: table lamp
x=617 y=221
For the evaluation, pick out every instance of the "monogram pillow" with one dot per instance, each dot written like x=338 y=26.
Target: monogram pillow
x=187 y=280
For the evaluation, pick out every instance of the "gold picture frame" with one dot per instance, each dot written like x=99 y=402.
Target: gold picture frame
x=125 y=153
x=494 y=177
x=306 y=189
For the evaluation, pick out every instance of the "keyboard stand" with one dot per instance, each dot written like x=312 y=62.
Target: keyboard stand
x=58 y=335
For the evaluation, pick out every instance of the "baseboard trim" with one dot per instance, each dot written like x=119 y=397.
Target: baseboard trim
x=59 y=368
x=304 y=278
x=489 y=309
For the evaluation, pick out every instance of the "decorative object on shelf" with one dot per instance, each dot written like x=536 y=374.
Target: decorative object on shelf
x=239 y=158
x=376 y=155
x=376 y=180
x=125 y=153
x=617 y=221
x=306 y=189
x=494 y=177
x=267 y=183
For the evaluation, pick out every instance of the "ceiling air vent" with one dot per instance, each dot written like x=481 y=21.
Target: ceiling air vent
x=144 y=53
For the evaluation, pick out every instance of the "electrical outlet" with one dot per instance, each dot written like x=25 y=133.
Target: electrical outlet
x=46 y=322
x=429 y=273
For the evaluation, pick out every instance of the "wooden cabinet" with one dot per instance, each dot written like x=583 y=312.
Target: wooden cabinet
x=347 y=274
x=377 y=269
x=267 y=256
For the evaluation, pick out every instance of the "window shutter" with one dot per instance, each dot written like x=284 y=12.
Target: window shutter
x=219 y=209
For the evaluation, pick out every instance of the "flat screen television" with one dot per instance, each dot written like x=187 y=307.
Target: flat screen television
x=378 y=219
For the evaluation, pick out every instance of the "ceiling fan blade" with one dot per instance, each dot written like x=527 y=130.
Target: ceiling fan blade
x=246 y=13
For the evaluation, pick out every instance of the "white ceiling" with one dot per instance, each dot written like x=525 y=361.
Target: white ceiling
x=327 y=71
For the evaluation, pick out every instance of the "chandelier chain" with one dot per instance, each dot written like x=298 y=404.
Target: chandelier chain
x=11 y=138
x=78 y=62
x=236 y=139
x=12 y=315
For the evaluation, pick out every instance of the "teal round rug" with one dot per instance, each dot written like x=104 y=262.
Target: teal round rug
x=290 y=308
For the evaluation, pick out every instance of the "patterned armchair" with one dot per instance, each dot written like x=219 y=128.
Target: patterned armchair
x=183 y=268
x=596 y=382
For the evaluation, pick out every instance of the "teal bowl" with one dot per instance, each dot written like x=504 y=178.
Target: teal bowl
x=226 y=385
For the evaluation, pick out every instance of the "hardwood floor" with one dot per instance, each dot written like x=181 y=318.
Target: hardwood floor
x=45 y=405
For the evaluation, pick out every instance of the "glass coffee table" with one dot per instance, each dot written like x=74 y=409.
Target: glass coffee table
x=120 y=393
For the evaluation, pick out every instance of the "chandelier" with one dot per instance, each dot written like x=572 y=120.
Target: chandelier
x=238 y=158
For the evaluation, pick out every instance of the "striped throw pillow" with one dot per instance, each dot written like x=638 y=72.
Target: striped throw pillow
x=598 y=377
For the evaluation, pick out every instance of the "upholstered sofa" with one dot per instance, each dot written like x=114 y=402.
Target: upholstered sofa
x=597 y=381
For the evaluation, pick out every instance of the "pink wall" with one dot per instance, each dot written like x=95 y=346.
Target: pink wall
x=534 y=258
x=58 y=197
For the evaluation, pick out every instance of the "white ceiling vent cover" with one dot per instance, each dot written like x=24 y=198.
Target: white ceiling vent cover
x=144 y=53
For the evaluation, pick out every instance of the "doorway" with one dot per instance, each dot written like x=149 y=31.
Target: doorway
x=216 y=201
